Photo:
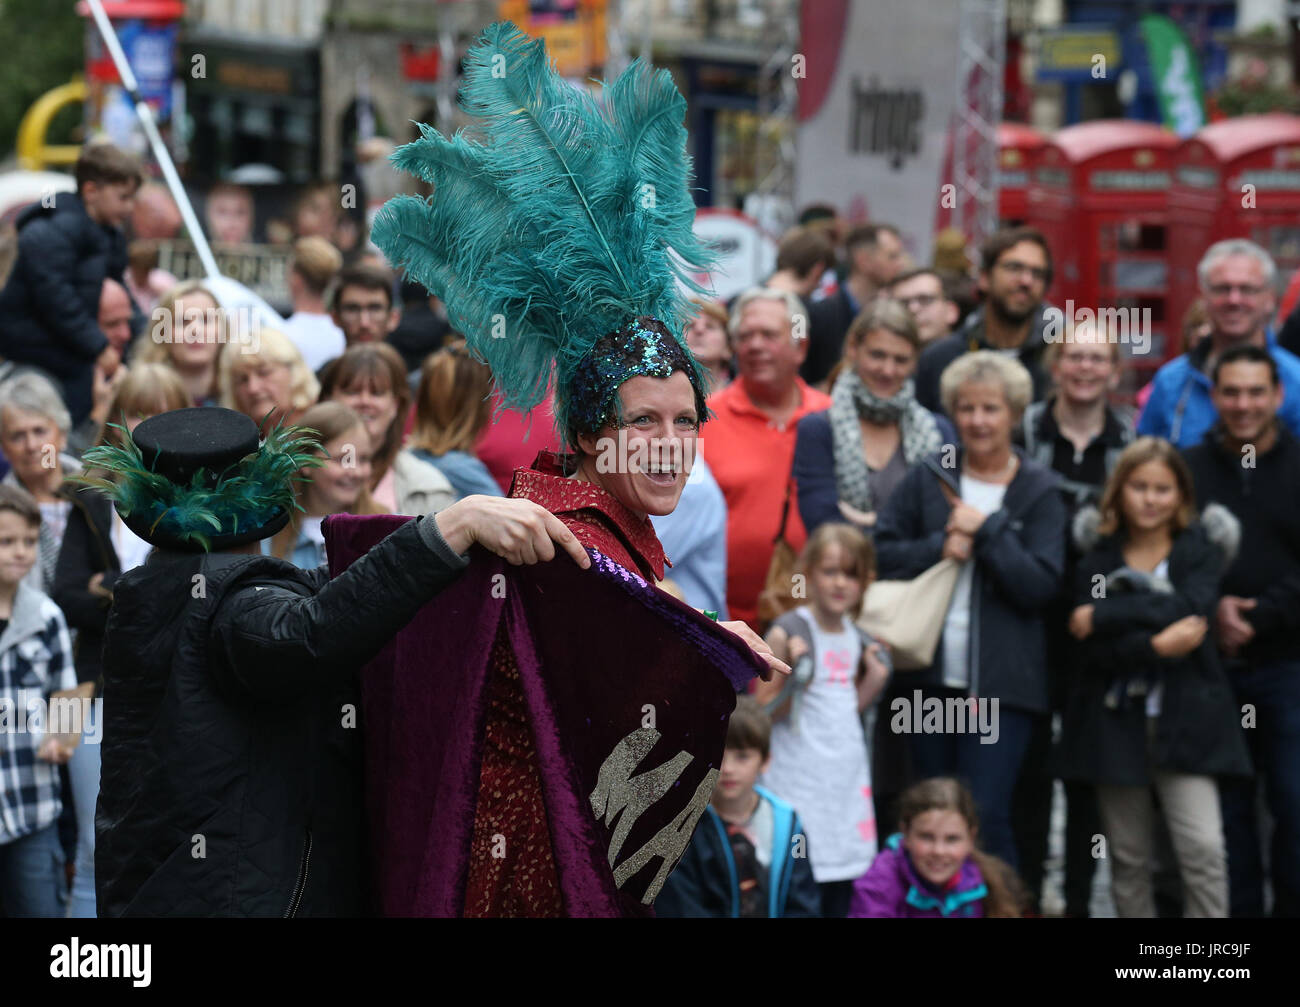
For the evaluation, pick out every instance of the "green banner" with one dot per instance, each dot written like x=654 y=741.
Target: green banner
x=1176 y=72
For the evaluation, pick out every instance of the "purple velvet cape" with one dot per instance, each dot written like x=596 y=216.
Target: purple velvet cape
x=601 y=654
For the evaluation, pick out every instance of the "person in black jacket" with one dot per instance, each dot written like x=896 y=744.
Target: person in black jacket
x=1080 y=436
x=67 y=247
x=231 y=763
x=422 y=330
x=95 y=550
x=1015 y=273
x=876 y=255
x=1149 y=705
x=1250 y=463
x=1001 y=516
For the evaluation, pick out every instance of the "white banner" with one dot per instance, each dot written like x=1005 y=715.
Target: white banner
x=746 y=256
x=876 y=106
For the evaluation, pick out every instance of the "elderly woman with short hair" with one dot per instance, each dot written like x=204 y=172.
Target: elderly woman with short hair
x=1001 y=517
x=34 y=425
x=266 y=379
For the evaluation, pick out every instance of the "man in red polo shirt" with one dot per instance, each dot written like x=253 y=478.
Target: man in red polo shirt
x=749 y=444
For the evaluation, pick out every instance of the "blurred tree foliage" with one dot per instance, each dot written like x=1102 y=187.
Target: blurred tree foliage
x=43 y=47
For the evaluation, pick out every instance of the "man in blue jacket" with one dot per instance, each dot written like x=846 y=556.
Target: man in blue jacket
x=1236 y=278
x=67 y=247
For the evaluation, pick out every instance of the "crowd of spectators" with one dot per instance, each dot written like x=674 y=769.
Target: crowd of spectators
x=1127 y=580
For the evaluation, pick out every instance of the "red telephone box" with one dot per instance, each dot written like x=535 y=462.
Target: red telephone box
x=1100 y=195
x=1018 y=149
x=1238 y=178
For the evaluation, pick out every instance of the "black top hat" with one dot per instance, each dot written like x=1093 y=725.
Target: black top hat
x=197 y=479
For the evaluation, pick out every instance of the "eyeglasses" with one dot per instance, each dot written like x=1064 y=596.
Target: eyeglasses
x=1024 y=269
x=917 y=301
x=1245 y=289
x=357 y=310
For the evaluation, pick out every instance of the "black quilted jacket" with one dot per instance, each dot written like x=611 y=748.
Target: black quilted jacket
x=231 y=780
x=49 y=309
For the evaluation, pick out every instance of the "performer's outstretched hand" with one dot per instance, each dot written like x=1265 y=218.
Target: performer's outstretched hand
x=519 y=531
x=759 y=646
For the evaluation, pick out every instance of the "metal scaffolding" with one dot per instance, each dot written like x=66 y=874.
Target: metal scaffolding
x=981 y=57
x=618 y=17
x=778 y=109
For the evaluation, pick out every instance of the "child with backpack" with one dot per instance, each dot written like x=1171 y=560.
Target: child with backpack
x=820 y=750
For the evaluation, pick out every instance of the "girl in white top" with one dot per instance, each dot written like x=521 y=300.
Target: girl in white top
x=339 y=486
x=819 y=760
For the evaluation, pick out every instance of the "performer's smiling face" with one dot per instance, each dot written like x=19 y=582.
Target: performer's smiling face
x=644 y=464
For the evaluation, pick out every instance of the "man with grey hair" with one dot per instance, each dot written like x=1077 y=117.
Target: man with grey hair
x=1236 y=278
x=34 y=425
x=749 y=444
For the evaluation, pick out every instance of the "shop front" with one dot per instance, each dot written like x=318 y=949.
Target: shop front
x=252 y=105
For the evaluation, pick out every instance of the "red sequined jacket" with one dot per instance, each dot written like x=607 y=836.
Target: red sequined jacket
x=512 y=865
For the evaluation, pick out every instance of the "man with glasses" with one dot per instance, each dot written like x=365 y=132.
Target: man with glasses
x=921 y=292
x=1237 y=282
x=1015 y=272
x=363 y=305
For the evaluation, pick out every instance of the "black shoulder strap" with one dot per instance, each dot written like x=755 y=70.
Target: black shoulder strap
x=785 y=511
x=790 y=686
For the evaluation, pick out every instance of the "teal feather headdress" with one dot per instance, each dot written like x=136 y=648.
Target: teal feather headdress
x=561 y=221
x=212 y=505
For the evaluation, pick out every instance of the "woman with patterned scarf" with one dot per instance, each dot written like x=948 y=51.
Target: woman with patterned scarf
x=849 y=459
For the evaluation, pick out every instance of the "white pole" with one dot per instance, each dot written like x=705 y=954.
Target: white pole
x=160 y=151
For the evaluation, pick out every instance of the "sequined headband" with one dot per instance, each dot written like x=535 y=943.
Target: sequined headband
x=643 y=348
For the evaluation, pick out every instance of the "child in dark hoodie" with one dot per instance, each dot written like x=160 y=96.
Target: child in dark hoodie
x=67 y=246
x=932 y=868
x=749 y=854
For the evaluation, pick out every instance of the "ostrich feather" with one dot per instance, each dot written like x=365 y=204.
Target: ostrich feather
x=259 y=487
x=556 y=220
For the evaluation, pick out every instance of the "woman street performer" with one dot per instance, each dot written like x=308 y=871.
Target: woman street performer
x=556 y=237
